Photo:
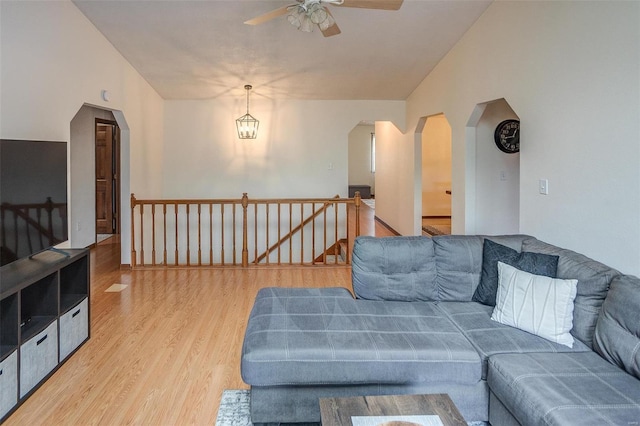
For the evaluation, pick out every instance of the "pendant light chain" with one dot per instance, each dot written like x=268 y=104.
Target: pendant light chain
x=247 y=88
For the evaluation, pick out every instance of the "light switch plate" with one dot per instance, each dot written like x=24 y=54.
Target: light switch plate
x=543 y=186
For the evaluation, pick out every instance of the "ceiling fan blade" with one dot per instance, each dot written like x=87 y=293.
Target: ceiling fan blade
x=332 y=30
x=373 y=4
x=268 y=16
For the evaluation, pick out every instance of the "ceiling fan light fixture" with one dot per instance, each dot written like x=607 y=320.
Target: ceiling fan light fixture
x=299 y=17
x=247 y=125
x=317 y=13
x=296 y=16
x=308 y=13
x=307 y=25
x=327 y=23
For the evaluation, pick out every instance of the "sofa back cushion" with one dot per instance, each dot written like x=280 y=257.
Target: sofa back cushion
x=394 y=268
x=459 y=263
x=593 y=278
x=617 y=336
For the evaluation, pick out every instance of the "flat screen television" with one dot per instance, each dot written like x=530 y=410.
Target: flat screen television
x=33 y=197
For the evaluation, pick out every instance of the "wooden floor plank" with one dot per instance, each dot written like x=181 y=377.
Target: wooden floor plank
x=163 y=349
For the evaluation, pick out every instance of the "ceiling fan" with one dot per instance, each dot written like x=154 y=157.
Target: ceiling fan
x=306 y=14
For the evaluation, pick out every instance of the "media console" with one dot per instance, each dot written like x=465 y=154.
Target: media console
x=44 y=318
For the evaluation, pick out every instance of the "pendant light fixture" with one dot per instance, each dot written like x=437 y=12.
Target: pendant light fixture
x=247 y=125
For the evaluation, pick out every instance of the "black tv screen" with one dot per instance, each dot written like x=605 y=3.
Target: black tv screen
x=33 y=197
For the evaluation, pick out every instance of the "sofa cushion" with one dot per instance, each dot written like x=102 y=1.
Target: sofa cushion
x=536 y=304
x=296 y=338
x=561 y=389
x=458 y=266
x=492 y=253
x=593 y=283
x=459 y=263
x=394 y=268
x=617 y=336
x=490 y=337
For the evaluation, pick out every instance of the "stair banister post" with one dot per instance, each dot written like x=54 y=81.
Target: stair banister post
x=245 y=250
x=133 y=232
x=357 y=200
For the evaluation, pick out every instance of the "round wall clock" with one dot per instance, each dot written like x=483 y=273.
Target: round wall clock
x=507 y=136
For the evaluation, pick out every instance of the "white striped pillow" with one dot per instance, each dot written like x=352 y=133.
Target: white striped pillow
x=536 y=304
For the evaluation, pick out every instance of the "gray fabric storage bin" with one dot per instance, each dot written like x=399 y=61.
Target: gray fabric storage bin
x=8 y=383
x=38 y=357
x=74 y=328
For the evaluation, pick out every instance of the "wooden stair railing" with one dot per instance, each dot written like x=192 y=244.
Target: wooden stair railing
x=207 y=232
x=294 y=231
x=338 y=249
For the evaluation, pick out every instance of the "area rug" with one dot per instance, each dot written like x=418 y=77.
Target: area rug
x=234 y=410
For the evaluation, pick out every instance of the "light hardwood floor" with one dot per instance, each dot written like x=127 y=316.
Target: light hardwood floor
x=163 y=349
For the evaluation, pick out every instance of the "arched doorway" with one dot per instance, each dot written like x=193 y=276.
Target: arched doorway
x=82 y=147
x=436 y=176
x=493 y=176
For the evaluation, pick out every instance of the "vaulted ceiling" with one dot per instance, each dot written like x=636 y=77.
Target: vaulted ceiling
x=203 y=50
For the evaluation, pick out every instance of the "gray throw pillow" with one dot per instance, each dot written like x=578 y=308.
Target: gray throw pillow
x=492 y=253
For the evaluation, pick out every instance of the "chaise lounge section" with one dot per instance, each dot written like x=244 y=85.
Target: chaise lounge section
x=414 y=327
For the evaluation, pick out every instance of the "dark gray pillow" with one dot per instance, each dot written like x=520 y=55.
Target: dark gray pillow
x=534 y=263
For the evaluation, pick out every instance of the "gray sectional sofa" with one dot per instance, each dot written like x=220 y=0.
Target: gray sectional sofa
x=422 y=322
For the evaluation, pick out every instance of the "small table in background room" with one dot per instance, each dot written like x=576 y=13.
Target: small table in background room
x=338 y=411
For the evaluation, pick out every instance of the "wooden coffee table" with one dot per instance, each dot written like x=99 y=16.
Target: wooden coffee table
x=338 y=411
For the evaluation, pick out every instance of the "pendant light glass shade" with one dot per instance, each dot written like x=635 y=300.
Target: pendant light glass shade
x=247 y=125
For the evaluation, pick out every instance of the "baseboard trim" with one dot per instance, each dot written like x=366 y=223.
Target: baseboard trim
x=383 y=223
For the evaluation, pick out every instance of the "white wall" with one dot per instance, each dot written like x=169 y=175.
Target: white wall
x=570 y=71
x=53 y=62
x=497 y=180
x=436 y=167
x=360 y=156
x=301 y=149
x=396 y=183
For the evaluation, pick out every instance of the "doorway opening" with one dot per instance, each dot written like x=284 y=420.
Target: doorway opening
x=435 y=169
x=107 y=179
x=361 y=162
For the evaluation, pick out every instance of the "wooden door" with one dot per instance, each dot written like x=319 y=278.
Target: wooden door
x=106 y=178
